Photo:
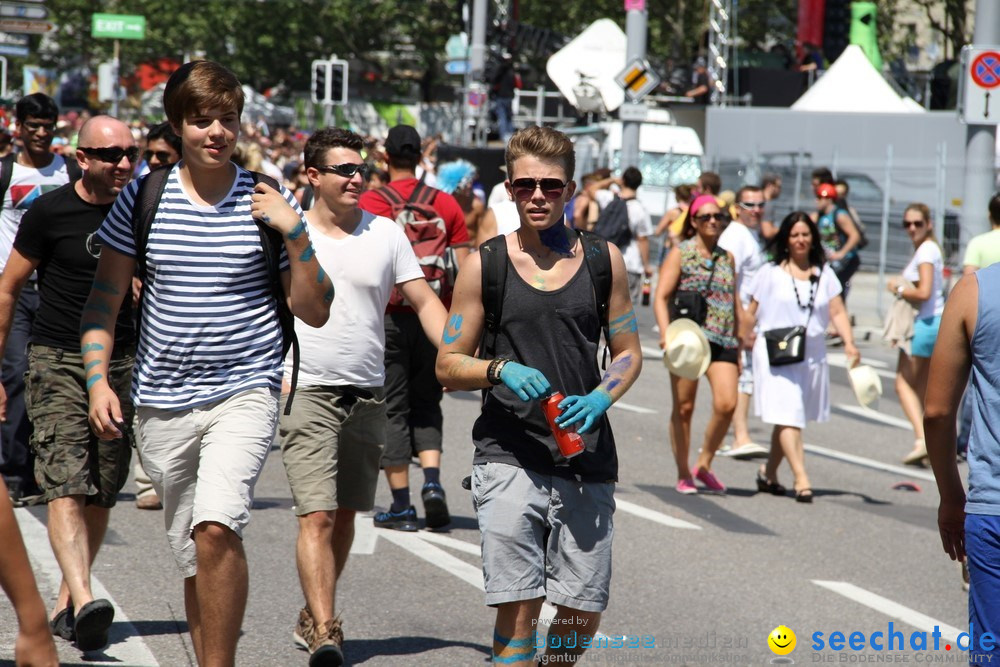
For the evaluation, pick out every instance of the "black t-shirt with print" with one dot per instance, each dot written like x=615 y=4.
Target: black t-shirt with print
x=59 y=230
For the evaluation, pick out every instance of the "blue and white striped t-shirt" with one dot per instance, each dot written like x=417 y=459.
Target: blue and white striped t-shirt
x=209 y=325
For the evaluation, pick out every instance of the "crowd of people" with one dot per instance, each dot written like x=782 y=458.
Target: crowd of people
x=219 y=289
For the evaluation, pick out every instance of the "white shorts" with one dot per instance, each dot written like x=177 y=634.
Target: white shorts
x=204 y=462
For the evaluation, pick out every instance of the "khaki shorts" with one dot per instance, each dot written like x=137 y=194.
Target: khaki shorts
x=331 y=444
x=70 y=459
x=204 y=462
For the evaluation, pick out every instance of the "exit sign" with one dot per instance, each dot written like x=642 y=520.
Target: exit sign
x=118 y=26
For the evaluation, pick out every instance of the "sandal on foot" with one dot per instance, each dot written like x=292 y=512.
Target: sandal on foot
x=92 y=624
x=765 y=486
x=804 y=496
x=62 y=624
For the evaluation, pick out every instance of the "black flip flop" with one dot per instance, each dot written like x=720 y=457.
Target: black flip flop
x=92 y=624
x=62 y=624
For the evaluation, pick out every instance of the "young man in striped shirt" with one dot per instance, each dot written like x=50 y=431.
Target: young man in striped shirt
x=209 y=358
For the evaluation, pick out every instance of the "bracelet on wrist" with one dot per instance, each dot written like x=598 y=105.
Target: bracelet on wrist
x=493 y=370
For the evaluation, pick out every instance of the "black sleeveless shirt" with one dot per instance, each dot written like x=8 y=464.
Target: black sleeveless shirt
x=558 y=333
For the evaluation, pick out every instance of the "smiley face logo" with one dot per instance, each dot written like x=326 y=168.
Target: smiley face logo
x=781 y=641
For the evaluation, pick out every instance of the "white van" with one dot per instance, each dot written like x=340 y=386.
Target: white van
x=669 y=155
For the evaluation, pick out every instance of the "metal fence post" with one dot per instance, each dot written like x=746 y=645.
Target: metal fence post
x=798 y=177
x=884 y=240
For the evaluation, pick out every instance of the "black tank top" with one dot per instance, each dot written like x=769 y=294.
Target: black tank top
x=557 y=333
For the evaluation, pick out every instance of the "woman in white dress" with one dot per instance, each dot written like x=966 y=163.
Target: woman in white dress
x=797 y=289
x=926 y=271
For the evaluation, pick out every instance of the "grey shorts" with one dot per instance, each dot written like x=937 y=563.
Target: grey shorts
x=331 y=444
x=544 y=536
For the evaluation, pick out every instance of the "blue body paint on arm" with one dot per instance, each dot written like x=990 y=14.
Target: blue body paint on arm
x=307 y=254
x=455 y=326
x=95 y=362
x=297 y=231
x=91 y=381
x=91 y=347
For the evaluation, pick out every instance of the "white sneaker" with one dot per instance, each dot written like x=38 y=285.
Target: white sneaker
x=751 y=450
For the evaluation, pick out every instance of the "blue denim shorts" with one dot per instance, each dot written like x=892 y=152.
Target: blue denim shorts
x=925 y=332
x=982 y=550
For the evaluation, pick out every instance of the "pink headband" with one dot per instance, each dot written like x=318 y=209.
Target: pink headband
x=701 y=201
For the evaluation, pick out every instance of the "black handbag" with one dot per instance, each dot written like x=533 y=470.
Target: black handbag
x=692 y=304
x=787 y=345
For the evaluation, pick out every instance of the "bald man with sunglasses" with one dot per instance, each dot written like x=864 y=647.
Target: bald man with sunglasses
x=80 y=475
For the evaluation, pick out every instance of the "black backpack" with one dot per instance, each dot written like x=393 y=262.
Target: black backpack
x=7 y=172
x=612 y=223
x=493 y=254
x=147 y=199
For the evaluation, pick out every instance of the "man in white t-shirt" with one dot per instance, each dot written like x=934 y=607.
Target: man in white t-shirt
x=34 y=171
x=742 y=237
x=636 y=252
x=332 y=440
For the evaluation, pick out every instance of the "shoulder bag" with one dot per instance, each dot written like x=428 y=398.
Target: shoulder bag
x=787 y=345
x=692 y=304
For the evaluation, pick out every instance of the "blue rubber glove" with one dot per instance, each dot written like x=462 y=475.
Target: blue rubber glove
x=526 y=382
x=589 y=409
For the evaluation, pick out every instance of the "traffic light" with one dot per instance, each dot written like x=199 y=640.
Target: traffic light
x=338 y=82
x=321 y=81
x=836 y=27
x=864 y=31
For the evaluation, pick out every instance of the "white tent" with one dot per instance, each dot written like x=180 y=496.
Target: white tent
x=852 y=84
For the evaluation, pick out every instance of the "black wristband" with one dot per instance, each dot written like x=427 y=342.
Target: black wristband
x=493 y=370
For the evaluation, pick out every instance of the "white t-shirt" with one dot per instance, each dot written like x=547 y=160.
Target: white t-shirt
x=740 y=240
x=508 y=219
x=638 y=222
x=364 y=267
x=928 y=253
x=26 y=185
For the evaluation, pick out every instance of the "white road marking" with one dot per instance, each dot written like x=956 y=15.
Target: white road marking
x=840 y=359
x=652 y=353
x=653 y=515
x=365 y=535
x=628 y=407
x=893 y=609
x=126 y=647
x=451 y=543
x=904 y=471
x=868 y=413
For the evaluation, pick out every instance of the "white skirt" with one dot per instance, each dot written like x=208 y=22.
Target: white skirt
x=794 y=394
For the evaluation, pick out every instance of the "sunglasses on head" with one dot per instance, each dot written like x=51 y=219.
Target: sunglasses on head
x=705 y=217
x=552 y=188
x=916 y=224
x=113 y=154
x=161 y=156
x=347 y=169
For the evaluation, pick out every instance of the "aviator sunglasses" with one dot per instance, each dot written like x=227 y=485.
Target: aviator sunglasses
x=551 y=188
x=705 y=217
x=347 y=169
x=917 y=224
x=113 y=154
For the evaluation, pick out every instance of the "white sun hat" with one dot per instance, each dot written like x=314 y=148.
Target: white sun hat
x=866 y=383
x=687 y=353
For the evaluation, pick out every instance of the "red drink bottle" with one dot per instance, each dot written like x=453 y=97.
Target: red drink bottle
x=570 y=443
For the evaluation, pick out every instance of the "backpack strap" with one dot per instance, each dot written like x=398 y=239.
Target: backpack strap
x=144 y=205
x=6 y=173
x=271 y=241
x=597 y=257
x=423 y=195
x=493 y=254
x=392 y=198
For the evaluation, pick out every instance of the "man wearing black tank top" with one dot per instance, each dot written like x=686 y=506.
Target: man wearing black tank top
x=548 y=338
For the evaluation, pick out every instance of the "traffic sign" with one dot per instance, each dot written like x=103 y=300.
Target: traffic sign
x=27 y=26
x=456 y=66
x=23 y=11
x=13 y=50
x=13 y=39
x=637 y=79
x=979 y=98
x=118 y=26
x=636 y=112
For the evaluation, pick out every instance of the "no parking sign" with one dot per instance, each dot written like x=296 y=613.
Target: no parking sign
x=980 y=98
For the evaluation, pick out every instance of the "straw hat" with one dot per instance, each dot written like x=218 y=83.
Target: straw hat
x=687 y=353
x=866 y=383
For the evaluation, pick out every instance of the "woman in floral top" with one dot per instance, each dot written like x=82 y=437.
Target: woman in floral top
x=697 y=264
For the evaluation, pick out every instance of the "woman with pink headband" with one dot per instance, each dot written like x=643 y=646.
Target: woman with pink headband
x=698 y=280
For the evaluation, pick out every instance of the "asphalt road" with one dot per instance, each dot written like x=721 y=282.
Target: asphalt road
x=697 y=579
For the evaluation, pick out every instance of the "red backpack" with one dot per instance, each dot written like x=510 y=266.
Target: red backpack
x=428 y=236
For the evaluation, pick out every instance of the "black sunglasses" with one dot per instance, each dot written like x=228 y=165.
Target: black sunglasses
x=551 y=188
x=161 y=156
x=705 y=217
x=113 y=154
x=347 y=170
x=913 y=223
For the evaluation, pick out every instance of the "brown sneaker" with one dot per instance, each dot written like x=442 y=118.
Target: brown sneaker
x=326 y=643
x=305 y=629
x=150 y=501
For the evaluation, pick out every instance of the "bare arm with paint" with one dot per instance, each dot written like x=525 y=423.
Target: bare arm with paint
x=15 y=274
x=306 y=285
x=112 y=283
x=430 y=310
x=626 y=356
x=457 y=366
